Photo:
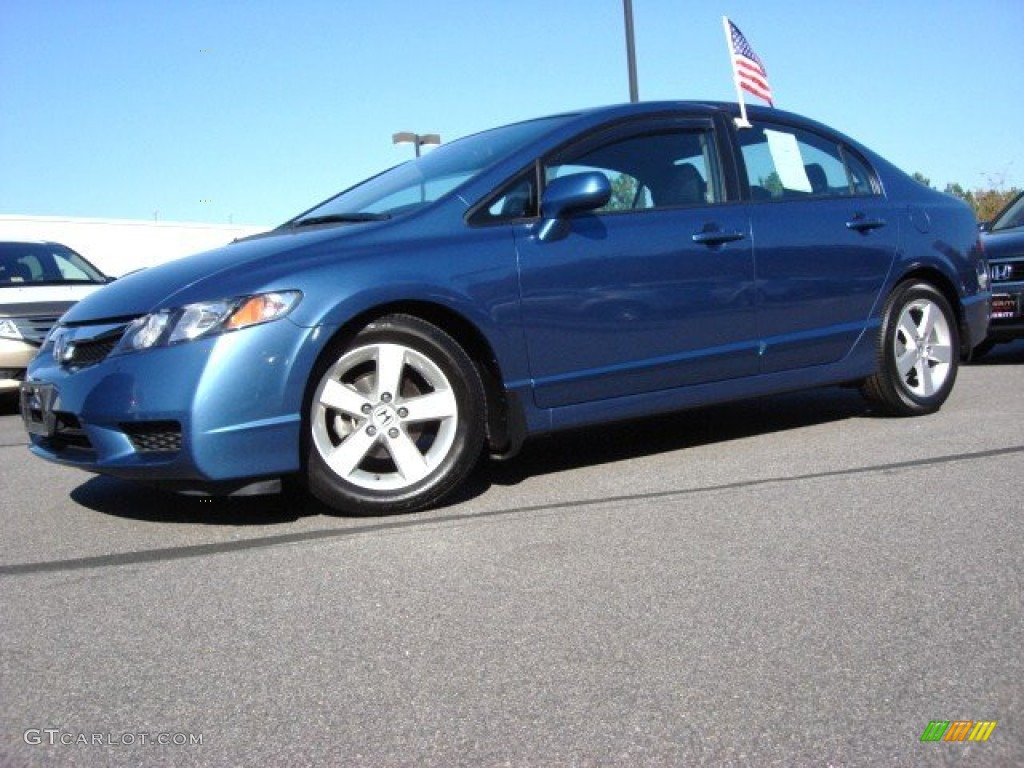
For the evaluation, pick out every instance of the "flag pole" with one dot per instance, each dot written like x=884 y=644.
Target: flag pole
x=741 y=121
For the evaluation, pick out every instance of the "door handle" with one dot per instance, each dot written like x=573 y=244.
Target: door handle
x=716 y=237
x=862 y=223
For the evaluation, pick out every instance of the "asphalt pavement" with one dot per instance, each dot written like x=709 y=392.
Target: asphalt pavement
x=792 y=581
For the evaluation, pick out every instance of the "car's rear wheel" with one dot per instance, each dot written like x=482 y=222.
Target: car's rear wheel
x=918 y=352
x=395 y=420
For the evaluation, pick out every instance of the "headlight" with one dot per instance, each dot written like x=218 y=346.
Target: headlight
x=207 y=318
x=9 y=329
x=984 y=278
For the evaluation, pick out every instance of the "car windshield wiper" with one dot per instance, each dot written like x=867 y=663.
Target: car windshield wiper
x=340 y=218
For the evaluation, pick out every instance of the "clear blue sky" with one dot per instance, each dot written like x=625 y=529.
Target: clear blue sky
x=224 y=110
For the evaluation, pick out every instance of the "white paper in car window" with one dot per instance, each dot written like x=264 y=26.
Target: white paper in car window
x=788 y=164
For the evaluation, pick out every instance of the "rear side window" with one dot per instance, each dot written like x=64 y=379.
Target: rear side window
x=783 y=162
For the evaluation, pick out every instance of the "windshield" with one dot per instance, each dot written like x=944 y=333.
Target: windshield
x=1012 y=217
x=34 y=263
x=420 y=182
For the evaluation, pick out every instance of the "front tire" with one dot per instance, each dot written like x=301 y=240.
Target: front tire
x=395 y=420
x=918 y=352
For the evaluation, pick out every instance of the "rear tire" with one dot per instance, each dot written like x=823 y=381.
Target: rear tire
x=918 y=352
x=394 y=419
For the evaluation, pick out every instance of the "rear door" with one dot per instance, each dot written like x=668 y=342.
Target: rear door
x=825 y=240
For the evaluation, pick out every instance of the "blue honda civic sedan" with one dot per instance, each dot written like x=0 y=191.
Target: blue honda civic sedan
x=579 y=269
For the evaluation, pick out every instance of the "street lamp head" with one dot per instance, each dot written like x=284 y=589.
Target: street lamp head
x=408 y=137
x=416 y=139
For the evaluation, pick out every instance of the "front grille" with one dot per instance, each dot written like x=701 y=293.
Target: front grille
x=154 y=436
x=80 y=346
x=92 y=352
x=1006 y=271
x=34 y=329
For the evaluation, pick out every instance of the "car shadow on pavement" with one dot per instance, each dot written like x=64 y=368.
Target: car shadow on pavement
x=136 y=501
x=1003 y=354
x=700 y=426
x=8 y=403
x=558 y=453
x=677 y=431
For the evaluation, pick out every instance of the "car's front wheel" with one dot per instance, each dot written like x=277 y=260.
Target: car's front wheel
x=395 y=420
x=918 y=352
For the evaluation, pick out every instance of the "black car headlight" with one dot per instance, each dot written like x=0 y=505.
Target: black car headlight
x=207 y=318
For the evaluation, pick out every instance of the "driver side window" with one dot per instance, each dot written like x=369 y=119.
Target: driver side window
x=664 y=169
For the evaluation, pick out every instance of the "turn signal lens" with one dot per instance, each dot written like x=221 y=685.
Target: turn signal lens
x=261 y=309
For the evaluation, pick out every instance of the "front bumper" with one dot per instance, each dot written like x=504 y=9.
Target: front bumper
x=976 y=312
x=207 y=413
x=1007 y=319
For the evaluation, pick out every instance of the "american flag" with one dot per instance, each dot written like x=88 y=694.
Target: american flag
x=750 y=72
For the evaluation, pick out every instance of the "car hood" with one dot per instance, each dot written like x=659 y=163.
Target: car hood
x=1004 y=245
x=29 y=299
x=169 y=284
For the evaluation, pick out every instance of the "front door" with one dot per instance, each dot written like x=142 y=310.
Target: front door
x=652 y=292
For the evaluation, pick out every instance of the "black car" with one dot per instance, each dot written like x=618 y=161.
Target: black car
x=1003 y=238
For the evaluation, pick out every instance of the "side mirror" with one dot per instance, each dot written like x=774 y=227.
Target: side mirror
x=568 y=196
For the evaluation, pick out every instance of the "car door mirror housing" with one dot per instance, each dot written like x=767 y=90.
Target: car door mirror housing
x=576 y=193
x=569 y=196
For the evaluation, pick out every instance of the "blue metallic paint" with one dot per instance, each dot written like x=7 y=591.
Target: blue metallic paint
x=625 y=316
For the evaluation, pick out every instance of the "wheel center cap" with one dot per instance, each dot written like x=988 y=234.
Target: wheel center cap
x=384 y=416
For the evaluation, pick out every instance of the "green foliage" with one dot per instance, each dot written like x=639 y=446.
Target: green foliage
x=989 y=202
x=773 y=183
x=624 y=189
x=985 y=201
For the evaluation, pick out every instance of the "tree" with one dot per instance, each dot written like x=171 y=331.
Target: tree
x=989 y=202
x=624 y=189
x=773 y=183
x=957 y=191
x=985 y=201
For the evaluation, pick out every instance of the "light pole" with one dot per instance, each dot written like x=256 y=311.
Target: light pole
x=634 y=91
x=416 y=139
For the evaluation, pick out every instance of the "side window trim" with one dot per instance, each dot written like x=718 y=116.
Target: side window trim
x=480 y=214
x=849 y=154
